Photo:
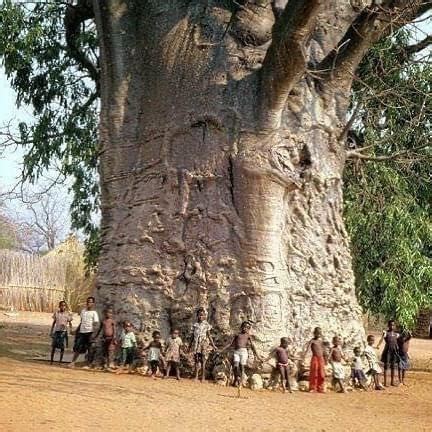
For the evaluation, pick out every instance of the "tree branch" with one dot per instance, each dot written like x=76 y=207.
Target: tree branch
x=370 y=25
x=356 y=154
x=285 y=60
x=75 y=15
x=420 y=46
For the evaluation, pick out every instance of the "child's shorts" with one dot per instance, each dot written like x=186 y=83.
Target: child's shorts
x=59 y=340
x=241 y=356
x=404 y=363
x=358 y=374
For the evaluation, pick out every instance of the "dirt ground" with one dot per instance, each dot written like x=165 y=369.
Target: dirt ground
x=35 y=396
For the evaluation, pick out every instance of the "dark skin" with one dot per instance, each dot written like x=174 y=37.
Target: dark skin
x=282 y=369
x=156 y=343
x=201 y=365
x=336 y=355
x=238 y=343
x=371 y=342
x=62 y=308
x=90 y=304
x=316 y=346
x=357 y=353
x=108 y=329
x=391 y=329
x=403 y=344
x=174 y=365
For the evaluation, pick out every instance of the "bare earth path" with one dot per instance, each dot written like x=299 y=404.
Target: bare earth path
x=37 y=397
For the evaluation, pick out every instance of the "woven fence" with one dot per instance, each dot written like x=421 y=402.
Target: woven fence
x=37 y=283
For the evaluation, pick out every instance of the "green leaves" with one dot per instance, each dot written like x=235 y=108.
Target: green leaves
x=388 y=203
x=63 y=132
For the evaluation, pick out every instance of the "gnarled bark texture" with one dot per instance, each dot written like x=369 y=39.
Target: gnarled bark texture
x=222 y=151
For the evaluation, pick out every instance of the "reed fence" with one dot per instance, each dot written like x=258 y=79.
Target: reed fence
x=37 y=283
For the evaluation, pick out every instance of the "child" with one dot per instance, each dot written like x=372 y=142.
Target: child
x=281 y=354
x=84 y=332
x=61 y=320
x=154 y=352
x=108 y=328
x=241 y=342
x=336 y=357
x=316 y=372
x=128 y=345
x=390 y=354
x=403 y=346
x=357 y=373
x=172 y=355
x=372 y=359
x=200 y=341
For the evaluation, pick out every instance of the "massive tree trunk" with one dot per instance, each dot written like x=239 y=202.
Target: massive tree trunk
x=222 y=151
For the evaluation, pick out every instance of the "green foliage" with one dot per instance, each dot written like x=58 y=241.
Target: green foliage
x=46 y=78
x=388 y=202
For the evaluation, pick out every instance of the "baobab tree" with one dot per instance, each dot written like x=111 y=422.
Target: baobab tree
x=222 y=146
x=222 y=135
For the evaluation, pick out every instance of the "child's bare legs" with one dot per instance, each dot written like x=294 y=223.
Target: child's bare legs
x=177 y=369
x=284 y=373
x=401 y=373
x=385 y=376
x=168 y=370
x=52 y=355
x=392 y=376
x=237 y=373
x=203 y=366
x=341 y=385
x=378 y=385
x=154 y=366
x=198 y=359
x=61 y=355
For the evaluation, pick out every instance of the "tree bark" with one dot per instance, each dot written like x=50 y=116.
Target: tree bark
x=203 y=203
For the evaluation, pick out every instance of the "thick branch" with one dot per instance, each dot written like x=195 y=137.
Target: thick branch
x=369 y=26
x=74 y=17
x=285 y=61
x=420 y=46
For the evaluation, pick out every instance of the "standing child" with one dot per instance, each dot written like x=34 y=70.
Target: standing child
x=128 y=345
x=108 y=328
x=372 y=359
x=84 y=332
x=404 y=363
x=316 y=372
x=390 y=354
x=241 y=343
x=154 y=356
x=357 y=374
x=172 y=355
x=62 y=318
x=201 y=341
x=338 y=371
x=282 y=357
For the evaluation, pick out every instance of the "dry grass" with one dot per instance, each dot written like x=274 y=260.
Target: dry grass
x=37 y=283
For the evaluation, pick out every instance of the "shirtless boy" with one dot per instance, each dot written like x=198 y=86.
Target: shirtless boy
x=241 y=343
x=281 y=355
x=108 y=328
x=316 y=373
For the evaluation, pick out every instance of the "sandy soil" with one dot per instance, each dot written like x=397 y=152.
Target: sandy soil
x=37 y=397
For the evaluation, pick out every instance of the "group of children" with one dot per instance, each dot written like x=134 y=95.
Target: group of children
x=166 y=357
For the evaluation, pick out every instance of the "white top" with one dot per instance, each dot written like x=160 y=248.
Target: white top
x=357 y=363
x=88 y=319
x=128 y=340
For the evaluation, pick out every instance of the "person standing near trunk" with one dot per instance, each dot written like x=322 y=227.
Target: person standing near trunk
x=84 y=332
x=62 y=318
x=390 y=354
